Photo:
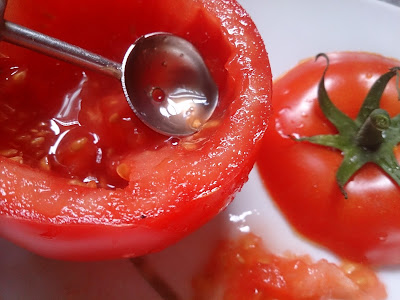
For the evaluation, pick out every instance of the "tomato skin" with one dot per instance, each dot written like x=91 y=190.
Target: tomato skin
x=171 y=190
x=300 y=176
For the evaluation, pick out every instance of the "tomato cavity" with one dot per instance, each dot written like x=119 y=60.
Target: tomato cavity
x=84 y=134
x=77 y=124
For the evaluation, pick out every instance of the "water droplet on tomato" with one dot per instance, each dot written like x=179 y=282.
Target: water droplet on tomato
x=174 y=141
x=189 y=112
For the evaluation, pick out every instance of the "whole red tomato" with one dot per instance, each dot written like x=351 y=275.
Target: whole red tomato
x=329 y=194
x=80 y=176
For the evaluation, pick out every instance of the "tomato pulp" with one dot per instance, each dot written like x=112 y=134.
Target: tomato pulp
x=244 y=269
x=301 y=177
x=80 y=177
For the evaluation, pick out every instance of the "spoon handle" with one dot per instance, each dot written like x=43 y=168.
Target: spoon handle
x=33 y=40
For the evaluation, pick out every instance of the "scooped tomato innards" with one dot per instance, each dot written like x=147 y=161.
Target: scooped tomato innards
x=245 y=269
x=80 y=177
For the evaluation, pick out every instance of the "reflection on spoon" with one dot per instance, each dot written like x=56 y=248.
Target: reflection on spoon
x=164 y=78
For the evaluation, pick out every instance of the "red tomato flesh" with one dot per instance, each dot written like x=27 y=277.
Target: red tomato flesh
x=300 y=176
x=80 y=176
x=244 y=269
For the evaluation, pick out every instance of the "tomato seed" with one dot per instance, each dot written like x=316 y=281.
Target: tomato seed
x=38 y=141
x=78 y=144
x=76 y=182
x=42 y=124
x=123 y=170
x=45 y=164
x=348 y=268
x=10 y=129
x=240 y=258
x=212 y=124
x=3 y=116
x=7 y=109
x=42 y=133
x=23 y=137
x=18 y=159
x=196 y=124
x=91 y=184
x=189 y=146
x=19 y=76
x=114 y=118
x=8 y=152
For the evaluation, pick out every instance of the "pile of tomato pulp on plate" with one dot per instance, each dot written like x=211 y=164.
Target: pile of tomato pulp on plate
x=245 y=269
x=80 y=177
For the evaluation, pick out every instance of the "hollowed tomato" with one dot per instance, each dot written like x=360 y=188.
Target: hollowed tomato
x=80 y=176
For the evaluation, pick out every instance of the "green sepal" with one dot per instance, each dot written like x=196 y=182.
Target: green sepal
x=341 y=121
x=372 y=101
x=329 y=140
x=370 y=138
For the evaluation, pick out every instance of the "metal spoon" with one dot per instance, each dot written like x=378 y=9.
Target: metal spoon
x=163 y=76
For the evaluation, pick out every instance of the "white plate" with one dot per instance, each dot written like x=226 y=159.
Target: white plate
x=292 y=30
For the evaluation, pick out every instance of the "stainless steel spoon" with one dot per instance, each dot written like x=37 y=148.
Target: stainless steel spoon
x=163 y=76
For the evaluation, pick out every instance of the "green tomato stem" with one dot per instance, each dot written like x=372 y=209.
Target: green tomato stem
x=370 y=138
x=370 y=134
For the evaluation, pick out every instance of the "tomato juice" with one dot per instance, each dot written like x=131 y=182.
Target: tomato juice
x=80 y=176
x=245 y=269
x=73 y=121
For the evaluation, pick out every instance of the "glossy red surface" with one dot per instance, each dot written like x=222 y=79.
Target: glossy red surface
x=100 y=184
x=301 y=176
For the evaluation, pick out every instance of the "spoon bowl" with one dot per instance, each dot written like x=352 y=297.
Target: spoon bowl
x=167 y=84
x=164 y=78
